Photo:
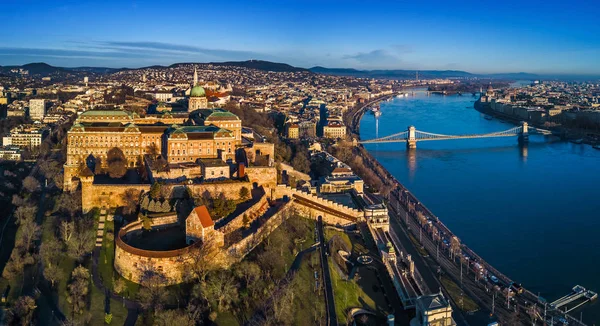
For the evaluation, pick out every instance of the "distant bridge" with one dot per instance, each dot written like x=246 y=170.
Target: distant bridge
x=412 y=135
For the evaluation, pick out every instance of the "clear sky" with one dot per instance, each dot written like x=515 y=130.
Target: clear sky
x=548 y=37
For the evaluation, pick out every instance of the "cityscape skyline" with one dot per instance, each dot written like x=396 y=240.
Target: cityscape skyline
x=549 y=38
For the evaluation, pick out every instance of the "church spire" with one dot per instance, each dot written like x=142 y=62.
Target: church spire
x=195 y=77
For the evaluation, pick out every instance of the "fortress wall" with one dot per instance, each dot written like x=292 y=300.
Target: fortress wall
x=230 y=189
x=284 y=190
x=99 y=195
x=253 y=212
x=133 y=262
x=263 y=176
x=290 y=171
x=240 y=249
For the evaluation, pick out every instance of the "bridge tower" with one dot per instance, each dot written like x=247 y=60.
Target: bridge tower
x=524 y=136
x=411 y=141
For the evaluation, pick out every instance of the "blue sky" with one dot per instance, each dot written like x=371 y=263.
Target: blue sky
x=548 y=37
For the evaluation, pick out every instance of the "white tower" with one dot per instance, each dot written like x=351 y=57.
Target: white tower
x=195 y=77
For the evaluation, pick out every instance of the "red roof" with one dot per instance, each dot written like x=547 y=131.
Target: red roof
x=204 y=216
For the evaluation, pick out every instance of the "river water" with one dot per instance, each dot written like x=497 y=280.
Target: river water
x=533 y=212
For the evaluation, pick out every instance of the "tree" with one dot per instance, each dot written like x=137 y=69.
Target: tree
x=301 y=162
x=221 y=289
x=117 y=163
x=82 y=241
x=152 y=149
x=24 y=213
x=146 y=222
x=119 y=285
x=22 y=312
x=154 y=192
x=199 y=262
x=31 y=184
x=30 y=232
x=245 y=220
x=66 y=230
x=54 y=274
x=244 y=193
x=175 y=317
x=69 y=203
x=152 y=293
x=130 y=200
x=79 y=289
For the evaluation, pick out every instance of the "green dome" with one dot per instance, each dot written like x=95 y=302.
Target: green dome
x=197 y=91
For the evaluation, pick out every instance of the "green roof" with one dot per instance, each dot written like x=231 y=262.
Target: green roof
x=197 y=91
x=94 y=113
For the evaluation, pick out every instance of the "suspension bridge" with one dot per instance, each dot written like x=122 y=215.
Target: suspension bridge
x=412 y=135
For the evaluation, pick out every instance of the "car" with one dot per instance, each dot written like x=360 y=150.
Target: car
x=494 y=279
x=516 y=287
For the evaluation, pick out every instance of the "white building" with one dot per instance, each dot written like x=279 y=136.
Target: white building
x=37 y=109
x=10 y=153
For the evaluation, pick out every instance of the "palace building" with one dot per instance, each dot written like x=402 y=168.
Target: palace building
x=216 y=135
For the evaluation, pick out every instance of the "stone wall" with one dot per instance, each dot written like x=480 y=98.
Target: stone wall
x=110 y=195
x=105 y=195
x=315 y=211
x=238 y=250
x=291 y=172
x=263 y=176
x=253 y=212
x=133 y=262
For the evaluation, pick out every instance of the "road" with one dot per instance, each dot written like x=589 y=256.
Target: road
x=480 y=291
x=329 y=299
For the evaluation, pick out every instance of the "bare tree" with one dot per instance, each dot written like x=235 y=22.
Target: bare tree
x=22 y=311
x=130 y=200
x=221 y=288
x=200 y=260
x=117 y=163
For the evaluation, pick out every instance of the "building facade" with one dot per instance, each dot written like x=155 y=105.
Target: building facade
x=37 y=109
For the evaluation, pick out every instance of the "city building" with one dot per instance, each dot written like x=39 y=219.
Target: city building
x=25 y=136
x=37 y=109
x=10 y=153
x=334 y=129
x=293 y=131
x=432 y=310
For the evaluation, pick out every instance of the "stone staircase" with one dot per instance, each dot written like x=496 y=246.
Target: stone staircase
x=100 y=230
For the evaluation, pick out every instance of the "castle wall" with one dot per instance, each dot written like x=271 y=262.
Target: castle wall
x=263 y=176
x=107 y=195
x=132 y=262
x=110 y=195
x=314 y=212
x=253 y=212
x=291 y=172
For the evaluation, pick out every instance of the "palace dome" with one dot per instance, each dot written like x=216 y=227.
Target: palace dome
x=197 y=91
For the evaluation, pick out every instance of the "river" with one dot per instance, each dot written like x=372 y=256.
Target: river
x=533 y=212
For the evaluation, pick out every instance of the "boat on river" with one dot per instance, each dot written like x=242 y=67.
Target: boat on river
x=488 y=117
x=577 y=141
x=596 y=147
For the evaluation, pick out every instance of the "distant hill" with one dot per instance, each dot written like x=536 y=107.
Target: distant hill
x=44 y=69
x=395 y=73
x=250 y=64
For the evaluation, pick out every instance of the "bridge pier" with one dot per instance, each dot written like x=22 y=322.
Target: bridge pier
x=411 y=141
x=524 y=136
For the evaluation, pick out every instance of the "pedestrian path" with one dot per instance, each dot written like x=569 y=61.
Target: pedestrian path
x=100 y=230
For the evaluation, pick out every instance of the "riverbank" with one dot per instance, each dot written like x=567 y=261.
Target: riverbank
x=566 y=133
x=465 y=165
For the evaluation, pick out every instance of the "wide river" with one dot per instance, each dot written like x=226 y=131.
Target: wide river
x=533 y=212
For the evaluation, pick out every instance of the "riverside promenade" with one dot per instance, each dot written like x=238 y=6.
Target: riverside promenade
x=413 y=217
